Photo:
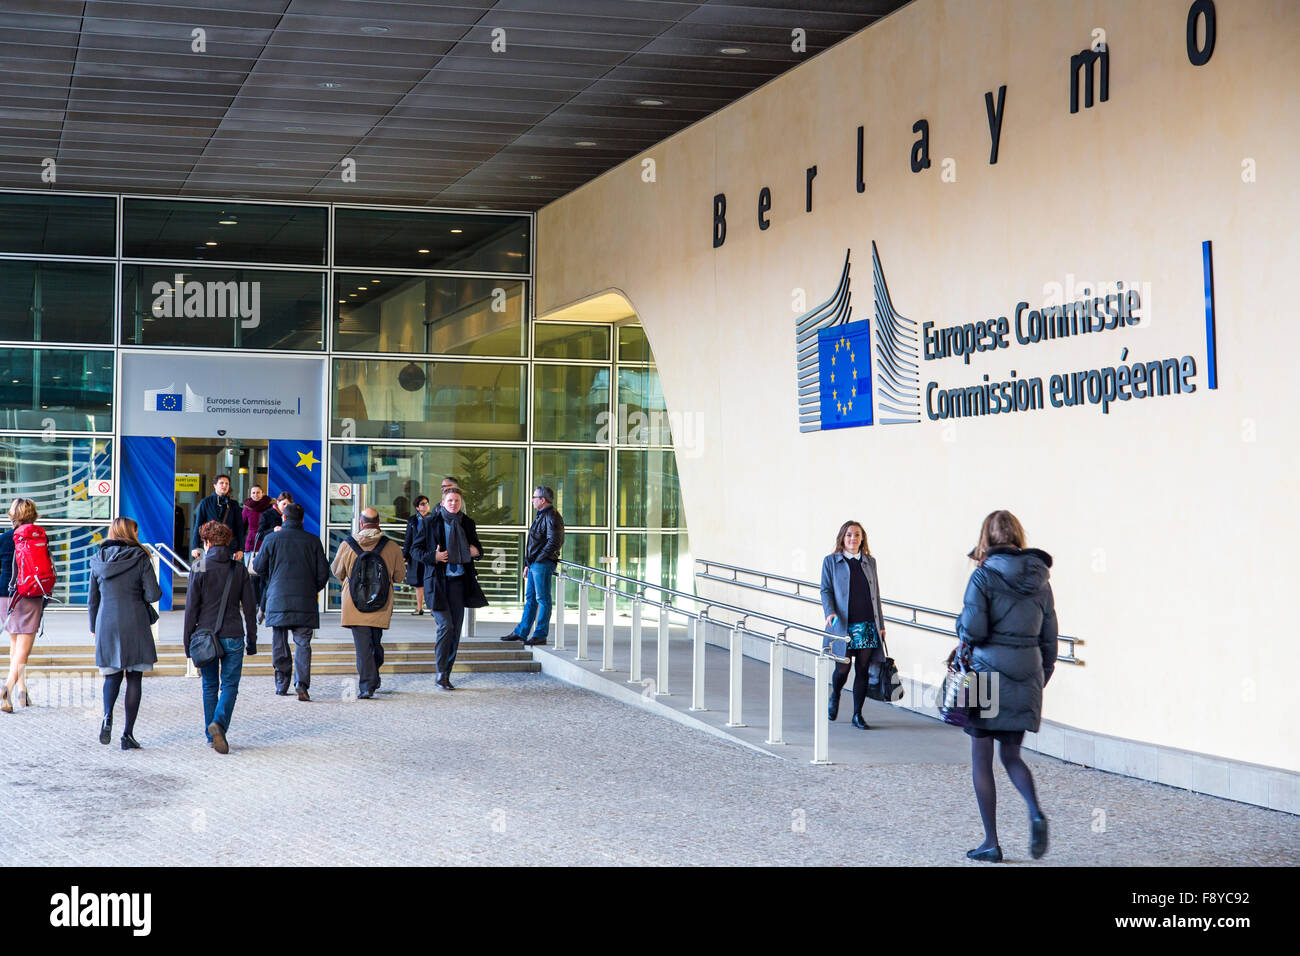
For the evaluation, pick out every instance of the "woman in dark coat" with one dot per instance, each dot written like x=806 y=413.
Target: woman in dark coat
x=447 y=545
x=1008 y=622
x=851 y=602
x=202 y=608
x=414 y=569
x=122 y=586
x=270 y=521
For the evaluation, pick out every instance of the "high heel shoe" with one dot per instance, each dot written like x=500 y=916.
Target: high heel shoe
x=991 y=855
x=129 y=742
x=23 y=698
x=859 y=723
x=106 y=730
x=833 y=711
x=1037 y=836
x=5 y=704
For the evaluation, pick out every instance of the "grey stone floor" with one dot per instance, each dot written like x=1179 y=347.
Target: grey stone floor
x=521 y=769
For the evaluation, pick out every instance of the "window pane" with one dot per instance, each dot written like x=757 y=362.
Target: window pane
x=585 y=548
x=492 y=479
x=222 y=308
x=377 y=398
x=642 y=412
x=58 y=225
x=70 y=551
x=648 y=491
x=377 y=312
x=562 y=340
x=389 y=239
x=656 y=558
x=49 y=388
x=632 y=344
x=580 y=478
x=57 y=475
x=56 y=301
x=224 y=232
x=571 y=404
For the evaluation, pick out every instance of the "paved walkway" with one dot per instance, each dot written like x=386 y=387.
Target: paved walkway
x=523 y=769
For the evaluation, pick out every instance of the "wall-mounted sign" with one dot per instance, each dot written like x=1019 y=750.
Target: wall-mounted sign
x=341 y=491
x=215 y=396
x=186 y=483
x=100 y=488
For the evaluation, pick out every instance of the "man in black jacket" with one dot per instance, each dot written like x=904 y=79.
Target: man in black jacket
x=541 y=554
x=292 y=564
x=219 y=506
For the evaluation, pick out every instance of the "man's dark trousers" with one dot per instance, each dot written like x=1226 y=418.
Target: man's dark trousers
x=286 y=665
x=450 y=622
x=370 y=657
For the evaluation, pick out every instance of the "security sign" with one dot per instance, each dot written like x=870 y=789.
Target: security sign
x=100 y=488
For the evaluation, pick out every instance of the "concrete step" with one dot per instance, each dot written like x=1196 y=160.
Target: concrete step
x=255 y=667
x=264 y=637
x=318 y=655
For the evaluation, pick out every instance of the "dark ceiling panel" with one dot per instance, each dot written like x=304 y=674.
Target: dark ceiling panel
x=416 y=94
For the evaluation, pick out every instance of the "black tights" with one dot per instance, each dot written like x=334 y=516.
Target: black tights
x=859 y=660
x=981 y=755
x=113 y=684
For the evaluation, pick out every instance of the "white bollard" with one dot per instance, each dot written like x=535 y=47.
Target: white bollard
x=583 y=601
x=776 y=695
x=634 y=668
x=736 y=683
x=607 y=632
x=559 y=613
x=697 y=634
x=661 y=652
x=821 y=701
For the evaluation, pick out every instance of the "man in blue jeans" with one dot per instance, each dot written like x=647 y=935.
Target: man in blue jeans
x=541 y=554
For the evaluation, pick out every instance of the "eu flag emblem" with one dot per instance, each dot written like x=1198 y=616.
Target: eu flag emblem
x=170 y=402
x=844 y=366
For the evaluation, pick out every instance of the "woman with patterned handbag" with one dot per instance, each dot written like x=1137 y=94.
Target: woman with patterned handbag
x=1008 y=626
x=851 y=601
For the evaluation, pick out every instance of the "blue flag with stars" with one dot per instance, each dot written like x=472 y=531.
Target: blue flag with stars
x=844 y=364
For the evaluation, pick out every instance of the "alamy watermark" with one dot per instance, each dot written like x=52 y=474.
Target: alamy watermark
x=209 y=300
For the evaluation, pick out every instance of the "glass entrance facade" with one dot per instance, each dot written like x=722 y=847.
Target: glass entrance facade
x=434 y=367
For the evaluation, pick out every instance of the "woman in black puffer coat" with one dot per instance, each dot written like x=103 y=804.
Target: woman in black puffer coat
x=1008 y=622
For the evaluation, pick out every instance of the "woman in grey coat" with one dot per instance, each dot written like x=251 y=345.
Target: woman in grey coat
x=851 y=602
x=122 y=586
x=1008 y=623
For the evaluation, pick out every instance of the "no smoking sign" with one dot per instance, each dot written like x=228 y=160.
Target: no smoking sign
x=101 y=488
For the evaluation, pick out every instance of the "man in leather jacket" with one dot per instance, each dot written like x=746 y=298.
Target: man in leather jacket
x=541 y=554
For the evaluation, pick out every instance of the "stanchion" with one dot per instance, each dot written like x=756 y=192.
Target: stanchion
x=661 y=650
x=634 y=668
x=697 y=634
x=821 y=700
x=583 y=600
x=776 y=694
x=607 y=632
x=736 y=687
x=559 y=612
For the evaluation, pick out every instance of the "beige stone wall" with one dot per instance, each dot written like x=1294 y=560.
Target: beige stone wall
x=1172 y=520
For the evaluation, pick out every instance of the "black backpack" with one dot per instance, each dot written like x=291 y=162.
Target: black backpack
x=369 y=582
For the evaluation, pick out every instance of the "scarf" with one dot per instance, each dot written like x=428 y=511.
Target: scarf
x=260 y=504
x=368 y=536
x=457 y=545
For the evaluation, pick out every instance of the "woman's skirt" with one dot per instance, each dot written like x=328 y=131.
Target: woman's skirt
x=864 y=636
x=22 y=615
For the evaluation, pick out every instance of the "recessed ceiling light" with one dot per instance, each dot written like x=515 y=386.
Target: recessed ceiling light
x=352 y=295
x=733 y=51
x=374 y=280
x=227 y=222
x=585 y=142
x=295 y=129
x=343 y=301
x=330 y=85
x=457 y=232
x=422 y=251
x=534 y=177
x=649 y=101
x=209 y=243
x=515 y=255
x=362 y=288
x=374 y=30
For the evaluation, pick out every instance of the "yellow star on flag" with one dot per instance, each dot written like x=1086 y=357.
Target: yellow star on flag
x=307 y=458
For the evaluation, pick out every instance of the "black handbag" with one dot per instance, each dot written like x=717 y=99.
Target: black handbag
x=957 y=702
x=205 y=646
x=883 y=682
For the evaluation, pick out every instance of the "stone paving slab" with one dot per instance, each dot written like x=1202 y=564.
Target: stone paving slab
x=521 y=769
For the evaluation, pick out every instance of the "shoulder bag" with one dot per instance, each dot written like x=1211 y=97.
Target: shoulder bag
x=883 y=682
x=205 y=646
x=957 y=693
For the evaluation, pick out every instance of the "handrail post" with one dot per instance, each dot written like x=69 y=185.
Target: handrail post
x=661 y=649
x=736 y=685
x=559 y=611
x=821 y=701
x=634 y=667
x=584 y=601
x=607 y=632
x=776 y=694
x=697 y=634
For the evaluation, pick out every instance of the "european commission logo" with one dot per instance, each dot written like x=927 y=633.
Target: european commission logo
x=169 y=402
x=837 y=388
x=168 y=399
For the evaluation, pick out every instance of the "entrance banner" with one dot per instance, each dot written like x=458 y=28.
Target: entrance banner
x=243 y=396
x=147 y=478
x=296 y=467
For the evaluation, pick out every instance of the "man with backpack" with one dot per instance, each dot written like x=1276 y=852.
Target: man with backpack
x=292 y=566
x=219 y=506
x=368 y=564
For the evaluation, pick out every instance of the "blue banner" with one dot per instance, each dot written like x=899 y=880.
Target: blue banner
x=296 y=467
x=148 y=494
x=844 y=367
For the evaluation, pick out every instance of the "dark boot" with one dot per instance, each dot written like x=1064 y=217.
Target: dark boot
x=833 y=711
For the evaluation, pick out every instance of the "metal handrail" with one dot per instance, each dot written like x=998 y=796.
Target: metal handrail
x=696 y=620
x=170 y=558
x=1073 y=642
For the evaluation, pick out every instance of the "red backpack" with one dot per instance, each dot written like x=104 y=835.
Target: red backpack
x=33 y=570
